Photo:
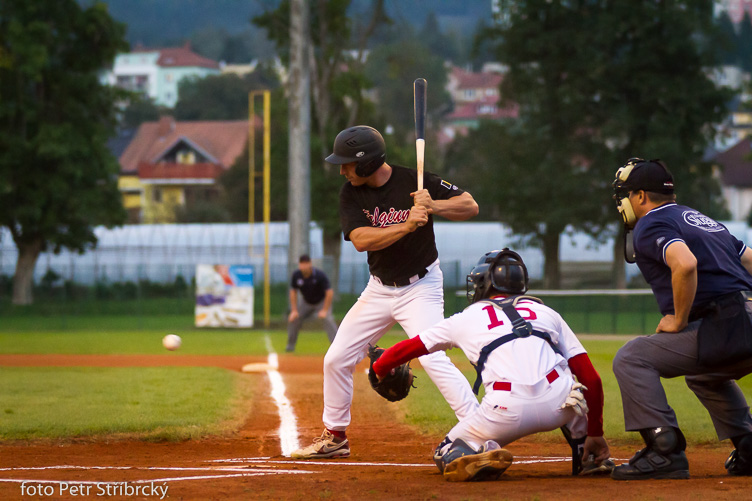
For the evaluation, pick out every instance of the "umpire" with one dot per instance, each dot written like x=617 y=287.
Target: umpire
x=700 y=276
x=317 y=295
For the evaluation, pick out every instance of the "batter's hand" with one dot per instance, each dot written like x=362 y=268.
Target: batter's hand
x=418 y=217
x=669 y=323
x=293 y=316
x=423 y=198
x=322 y=313
x=598 y=447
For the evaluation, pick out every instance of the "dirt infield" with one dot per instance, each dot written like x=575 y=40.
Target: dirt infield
x=388 y=461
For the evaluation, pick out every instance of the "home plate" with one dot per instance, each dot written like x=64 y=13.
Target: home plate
x=257 y=367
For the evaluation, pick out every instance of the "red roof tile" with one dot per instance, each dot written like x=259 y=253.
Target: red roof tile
x=468 y=80
x=223 y=140
x=179 y=56
x=736 y=164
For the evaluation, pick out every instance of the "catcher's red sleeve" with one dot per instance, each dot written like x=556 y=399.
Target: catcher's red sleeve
x=587 y=375
x=402 y=352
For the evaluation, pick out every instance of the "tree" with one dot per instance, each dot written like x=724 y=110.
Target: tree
x=744 y=43
x=58 y=177
x=727 y=51
x=392 y=68
x=597 y=82
x=139 y=109
x=220 y=97
x=338 y=85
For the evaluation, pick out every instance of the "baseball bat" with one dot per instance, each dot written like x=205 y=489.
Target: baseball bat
x=419 y=93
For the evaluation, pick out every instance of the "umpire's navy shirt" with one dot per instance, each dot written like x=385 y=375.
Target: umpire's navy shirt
x=719 y=267
x=313 y=288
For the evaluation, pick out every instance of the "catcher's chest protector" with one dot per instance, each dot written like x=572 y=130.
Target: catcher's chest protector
x=520 y=328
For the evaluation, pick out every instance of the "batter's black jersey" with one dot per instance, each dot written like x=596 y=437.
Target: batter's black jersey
x=718 y=254
x=313 y=288
x=390 y=204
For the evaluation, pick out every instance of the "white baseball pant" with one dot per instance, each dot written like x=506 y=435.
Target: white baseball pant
x=507 y=415
x=416 y=307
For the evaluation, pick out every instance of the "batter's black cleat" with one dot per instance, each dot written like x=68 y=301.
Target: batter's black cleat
x=739 y=463
x=465 y=464
x=663 y=458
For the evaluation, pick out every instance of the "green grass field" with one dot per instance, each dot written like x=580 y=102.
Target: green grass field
x=153 y=403
x=171 y=402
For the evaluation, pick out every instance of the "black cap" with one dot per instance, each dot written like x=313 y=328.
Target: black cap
x=648 y=175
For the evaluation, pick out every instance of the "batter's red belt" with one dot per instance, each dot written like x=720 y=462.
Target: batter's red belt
x=507 y=385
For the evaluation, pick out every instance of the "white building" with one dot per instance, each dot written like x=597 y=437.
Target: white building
x=157 y=72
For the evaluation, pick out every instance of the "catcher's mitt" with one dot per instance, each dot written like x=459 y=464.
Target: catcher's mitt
x=395 y=385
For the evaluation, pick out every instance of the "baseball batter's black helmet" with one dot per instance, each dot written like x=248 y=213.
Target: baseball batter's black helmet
x=361 y=144
x=497 y=271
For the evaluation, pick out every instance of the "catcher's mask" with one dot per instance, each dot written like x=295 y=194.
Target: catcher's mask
x=361 y=144
x=501 y=271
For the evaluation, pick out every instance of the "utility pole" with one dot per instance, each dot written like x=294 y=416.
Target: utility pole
x=299 y=121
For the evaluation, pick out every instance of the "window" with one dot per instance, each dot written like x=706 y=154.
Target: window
x=186 y=157
x=168 y=77
x=468 y=93
x=156 y=195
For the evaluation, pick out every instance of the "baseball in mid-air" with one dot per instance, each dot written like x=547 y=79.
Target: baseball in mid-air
x=172 y=342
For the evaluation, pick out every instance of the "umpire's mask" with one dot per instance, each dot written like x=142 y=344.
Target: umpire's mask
x=621 y=192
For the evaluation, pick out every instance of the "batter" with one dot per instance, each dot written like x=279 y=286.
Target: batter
x=382 y=213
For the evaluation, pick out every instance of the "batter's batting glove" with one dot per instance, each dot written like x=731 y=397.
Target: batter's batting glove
x=576 y=400
x=396 y=384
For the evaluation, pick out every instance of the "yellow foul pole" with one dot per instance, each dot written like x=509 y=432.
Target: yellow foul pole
x=251 y=169
x=267 y=205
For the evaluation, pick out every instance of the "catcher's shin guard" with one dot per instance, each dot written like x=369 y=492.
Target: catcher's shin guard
x=663 y=457
x=577 y=445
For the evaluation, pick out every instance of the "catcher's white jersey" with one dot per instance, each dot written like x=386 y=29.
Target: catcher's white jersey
x=532 y=402
x=525 y=360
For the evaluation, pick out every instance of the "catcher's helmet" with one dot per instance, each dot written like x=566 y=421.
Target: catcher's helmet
x=501 y=271
x=361 y=144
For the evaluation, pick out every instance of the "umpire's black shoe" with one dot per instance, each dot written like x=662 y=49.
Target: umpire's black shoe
x=739 y=463
x=648 y=464
x=662 y=458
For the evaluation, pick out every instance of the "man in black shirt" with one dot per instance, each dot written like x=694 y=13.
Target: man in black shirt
x=316 y=295
x=383 y=213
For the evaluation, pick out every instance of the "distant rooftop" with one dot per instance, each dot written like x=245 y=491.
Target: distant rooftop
x=178 y=56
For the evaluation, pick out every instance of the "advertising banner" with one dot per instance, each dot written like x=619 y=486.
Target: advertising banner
x=224 y=295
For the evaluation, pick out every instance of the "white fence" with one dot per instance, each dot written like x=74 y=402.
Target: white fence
x=159 y=253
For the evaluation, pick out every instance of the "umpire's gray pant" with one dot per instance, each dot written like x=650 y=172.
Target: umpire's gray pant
x=641 y=363
x=304 y=311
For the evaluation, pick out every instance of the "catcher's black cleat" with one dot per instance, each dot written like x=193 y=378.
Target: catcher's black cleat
x=739 y=463
x=465 y=464
x=662 y=458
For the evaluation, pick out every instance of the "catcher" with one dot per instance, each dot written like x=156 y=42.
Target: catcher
x=526 y=356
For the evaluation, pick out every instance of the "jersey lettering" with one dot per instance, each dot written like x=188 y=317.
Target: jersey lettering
x=525 y=313
x=495 y=322
x=384 y=219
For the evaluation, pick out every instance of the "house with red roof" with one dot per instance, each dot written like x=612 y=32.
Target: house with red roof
x=170 y=164
x=476 y=97
x=157 y=72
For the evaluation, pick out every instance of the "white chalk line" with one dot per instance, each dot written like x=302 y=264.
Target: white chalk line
x=233 y=472
x=288 y=423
